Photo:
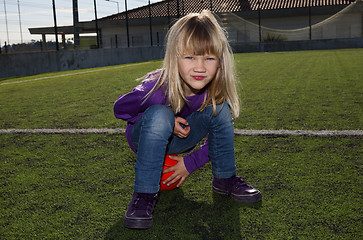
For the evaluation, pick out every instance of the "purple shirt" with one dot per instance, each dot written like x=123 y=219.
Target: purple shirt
x=131 y=106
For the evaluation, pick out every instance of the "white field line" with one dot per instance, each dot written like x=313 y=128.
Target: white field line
x=76 y=73
x=236 y=132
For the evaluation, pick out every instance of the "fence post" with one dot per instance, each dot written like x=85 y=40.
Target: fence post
x=127 y=25
x=76 y=38
x=309 y=19
x=150 y=26
x=55 y=26
x=96 y=21
x=178 y=8
x=259 y=21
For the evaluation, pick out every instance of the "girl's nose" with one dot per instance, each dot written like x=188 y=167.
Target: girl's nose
x=199 y=66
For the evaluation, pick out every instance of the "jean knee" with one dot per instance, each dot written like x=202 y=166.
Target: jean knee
x=222 y=114
x=160 y=116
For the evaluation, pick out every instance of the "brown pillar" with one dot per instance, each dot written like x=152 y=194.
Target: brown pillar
x=64 y=44
x=44 y=42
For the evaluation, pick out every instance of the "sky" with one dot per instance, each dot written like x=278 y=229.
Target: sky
x=39 y=13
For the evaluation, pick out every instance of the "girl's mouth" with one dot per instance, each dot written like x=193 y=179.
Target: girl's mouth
x=198 y=77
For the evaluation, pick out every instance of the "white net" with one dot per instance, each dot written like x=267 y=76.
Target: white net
x=309 y=24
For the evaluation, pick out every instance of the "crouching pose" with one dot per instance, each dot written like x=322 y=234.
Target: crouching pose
x=192 y=97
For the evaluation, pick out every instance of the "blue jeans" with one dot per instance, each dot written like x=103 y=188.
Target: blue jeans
x=152 y=136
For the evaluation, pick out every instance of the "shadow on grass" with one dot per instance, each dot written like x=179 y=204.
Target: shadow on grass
x=176 y=217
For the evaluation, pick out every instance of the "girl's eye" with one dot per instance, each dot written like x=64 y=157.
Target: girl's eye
x=210 y=58
x=189 y=57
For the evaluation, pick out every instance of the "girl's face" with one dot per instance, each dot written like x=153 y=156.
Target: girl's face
x=197 y=71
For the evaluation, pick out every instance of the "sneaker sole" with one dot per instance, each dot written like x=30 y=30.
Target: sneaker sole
x=250 y=198
x=140 y=223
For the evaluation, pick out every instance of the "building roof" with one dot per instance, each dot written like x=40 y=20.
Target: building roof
x=182 y=7
x=176 y=8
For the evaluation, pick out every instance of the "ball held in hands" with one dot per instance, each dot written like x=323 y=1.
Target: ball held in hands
x=168 y=162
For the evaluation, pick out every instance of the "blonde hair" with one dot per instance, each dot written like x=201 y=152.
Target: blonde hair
x=199 y=33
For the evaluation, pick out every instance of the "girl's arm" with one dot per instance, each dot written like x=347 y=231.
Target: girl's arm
x=130 y=106
x=198 y=158
x=127 y=106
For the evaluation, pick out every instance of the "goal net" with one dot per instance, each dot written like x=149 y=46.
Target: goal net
x=310 y=23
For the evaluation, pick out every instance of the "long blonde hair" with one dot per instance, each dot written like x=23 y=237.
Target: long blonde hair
x=201 y=34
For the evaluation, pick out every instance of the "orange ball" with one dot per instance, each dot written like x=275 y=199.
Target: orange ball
x=168 y=162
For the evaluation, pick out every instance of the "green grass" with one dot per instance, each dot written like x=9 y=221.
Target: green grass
x=292 y=90
x=78 y=186
x=76 y=101
x=301 y=90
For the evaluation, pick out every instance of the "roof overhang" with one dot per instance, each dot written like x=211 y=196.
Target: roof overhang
x=84 y=27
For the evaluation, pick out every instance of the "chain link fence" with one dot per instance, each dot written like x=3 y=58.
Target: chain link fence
x=107 y=24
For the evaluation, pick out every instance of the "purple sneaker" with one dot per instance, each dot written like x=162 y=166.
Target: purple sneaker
x=237 y=188
x=139 y=213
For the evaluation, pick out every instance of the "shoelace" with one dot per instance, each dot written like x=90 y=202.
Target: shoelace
x=144 y=202
x=236 y=183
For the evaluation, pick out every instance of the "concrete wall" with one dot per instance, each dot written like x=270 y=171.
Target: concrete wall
x=14 y=65
x=299 y=45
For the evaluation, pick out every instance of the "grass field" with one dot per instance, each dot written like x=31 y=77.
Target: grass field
x=78 y=186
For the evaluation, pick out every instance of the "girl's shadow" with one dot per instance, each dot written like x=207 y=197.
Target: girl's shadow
x=176 y=217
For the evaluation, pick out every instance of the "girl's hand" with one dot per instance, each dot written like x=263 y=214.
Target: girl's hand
x=180 y=171
x=179 y=130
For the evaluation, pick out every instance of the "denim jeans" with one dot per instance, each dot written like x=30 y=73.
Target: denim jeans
x=152 y=136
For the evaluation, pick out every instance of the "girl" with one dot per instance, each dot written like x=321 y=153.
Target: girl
x=191 y=97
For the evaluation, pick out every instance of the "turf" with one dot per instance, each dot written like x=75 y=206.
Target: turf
x=78 y=186
x=66 y=186
x=291 y=90
x=301 y=90
x=76 y=101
